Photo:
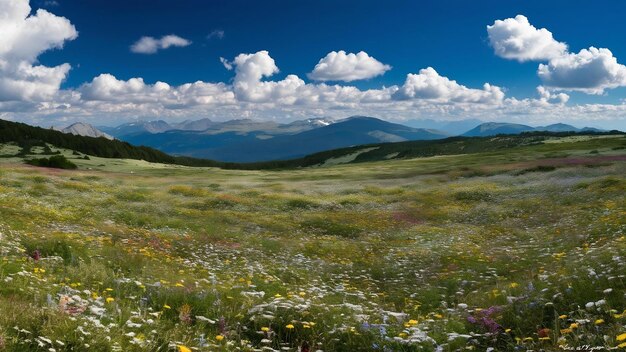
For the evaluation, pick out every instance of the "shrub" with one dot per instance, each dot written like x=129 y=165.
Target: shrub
x=56 y=161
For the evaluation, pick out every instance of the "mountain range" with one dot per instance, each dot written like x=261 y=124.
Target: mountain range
x=248 y=141
x=495 y=128
x=245 y=140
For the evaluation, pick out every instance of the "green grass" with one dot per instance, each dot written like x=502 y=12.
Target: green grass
x=397 y=255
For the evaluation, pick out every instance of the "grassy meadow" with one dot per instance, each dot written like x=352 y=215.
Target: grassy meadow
x=518 y=249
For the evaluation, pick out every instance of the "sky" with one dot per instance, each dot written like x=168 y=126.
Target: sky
x=109 y=62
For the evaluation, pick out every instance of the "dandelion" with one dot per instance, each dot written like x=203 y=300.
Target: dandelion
x=265 y=329
x=621 y=337
x=183 y=348
x=110 y=299
x=219 y=337
x=599 y=321
x=289 y=326
x=167 y=306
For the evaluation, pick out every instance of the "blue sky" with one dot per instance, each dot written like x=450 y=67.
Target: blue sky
x=407 y=36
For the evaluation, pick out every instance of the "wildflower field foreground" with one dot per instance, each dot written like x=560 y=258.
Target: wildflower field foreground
x=520 y=249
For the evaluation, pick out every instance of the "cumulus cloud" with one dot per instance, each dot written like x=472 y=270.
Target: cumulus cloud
x=249 y=86
x=150 y=45
x=590 y=70
x=24 y=37
x=545 y=95
x=339 y=66
x=517 y=39
x=107 y=88
x=253 y=93
x=428 y=84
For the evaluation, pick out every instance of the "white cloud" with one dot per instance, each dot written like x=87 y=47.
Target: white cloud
x=545 y=95
x=23 y=38
x=107 y=88
x=218 y=33
x=253 y=94
x=339 y=66
x=150 y=45
x=515 y=38
x=591 y=71
x=248 y=85
x=226 y=63
x=428 y=84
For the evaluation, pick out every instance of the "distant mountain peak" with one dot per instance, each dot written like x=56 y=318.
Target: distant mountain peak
x=86 y=130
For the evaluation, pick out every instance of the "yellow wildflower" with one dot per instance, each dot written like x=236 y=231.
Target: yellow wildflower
x=167 y=306
x=621 y=337
x=599 y=321
x=110 y=299
x=265 y=329
x=182 y=348
x=289 y=326
x=219 y=337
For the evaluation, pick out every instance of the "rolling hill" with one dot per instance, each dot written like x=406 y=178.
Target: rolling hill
x=495 y=128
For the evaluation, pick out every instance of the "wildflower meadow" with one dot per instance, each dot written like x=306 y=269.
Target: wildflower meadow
x=515 y=250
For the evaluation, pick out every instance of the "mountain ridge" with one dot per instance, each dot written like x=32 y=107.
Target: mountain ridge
x=86 y=130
